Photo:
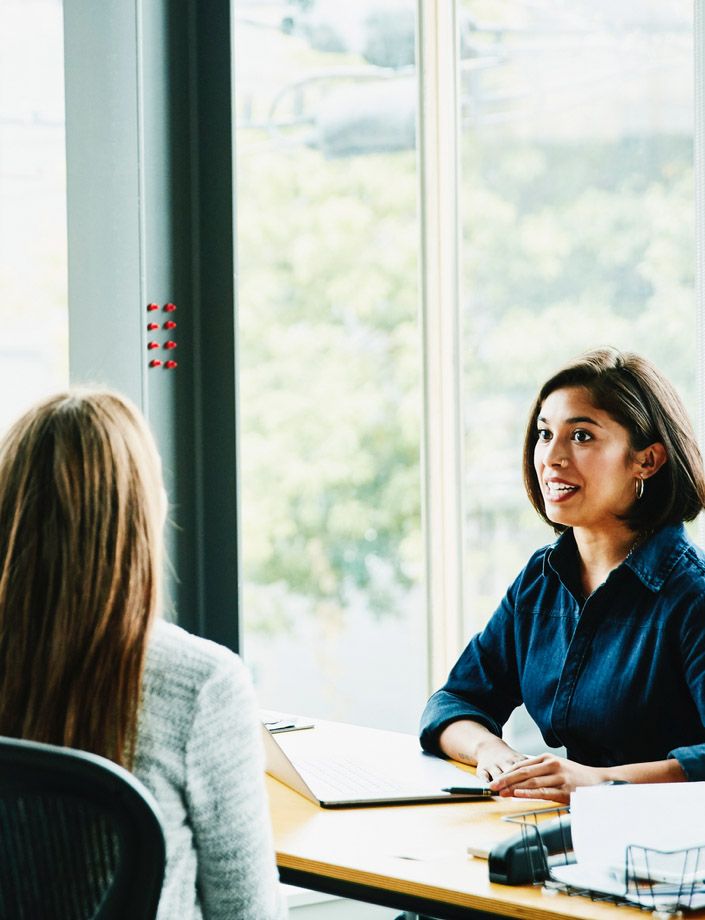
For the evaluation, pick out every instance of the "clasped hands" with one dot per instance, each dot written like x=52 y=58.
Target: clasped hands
x=545 y=776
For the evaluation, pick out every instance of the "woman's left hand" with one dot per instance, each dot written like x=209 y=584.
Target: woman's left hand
x=546 y=777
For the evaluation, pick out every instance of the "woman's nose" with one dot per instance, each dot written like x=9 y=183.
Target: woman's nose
x=555 y=455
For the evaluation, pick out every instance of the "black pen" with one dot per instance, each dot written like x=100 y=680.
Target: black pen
x=470 y=790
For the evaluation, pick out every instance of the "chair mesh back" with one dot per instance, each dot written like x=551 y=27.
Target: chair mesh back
x=59 y=857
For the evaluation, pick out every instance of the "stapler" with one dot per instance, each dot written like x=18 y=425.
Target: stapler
x=527 y=857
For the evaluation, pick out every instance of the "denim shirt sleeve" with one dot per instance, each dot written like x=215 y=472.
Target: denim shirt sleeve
x=484 y=683
x=692 y=757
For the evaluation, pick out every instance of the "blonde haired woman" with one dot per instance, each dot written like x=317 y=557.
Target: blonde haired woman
x=86 y=662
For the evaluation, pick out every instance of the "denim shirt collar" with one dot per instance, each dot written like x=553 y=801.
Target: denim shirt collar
x=651 y=561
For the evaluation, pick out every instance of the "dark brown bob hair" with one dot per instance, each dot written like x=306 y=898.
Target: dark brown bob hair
x=637 y=396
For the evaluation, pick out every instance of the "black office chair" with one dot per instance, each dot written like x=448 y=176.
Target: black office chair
x=80 y=838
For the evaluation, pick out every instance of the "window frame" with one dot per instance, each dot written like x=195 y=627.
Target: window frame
x=151 y=205
x=443 y=502
x=699 y=176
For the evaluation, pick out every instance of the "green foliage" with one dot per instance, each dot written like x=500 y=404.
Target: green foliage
x=330 y=379
x=589 y=245
x=566 y=246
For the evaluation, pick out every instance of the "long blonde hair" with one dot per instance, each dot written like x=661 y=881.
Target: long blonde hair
x=81 y=518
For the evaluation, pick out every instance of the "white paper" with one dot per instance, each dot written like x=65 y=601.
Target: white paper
x=580 y=876
x=605 y=820
x=659 y=896
x=664 y=818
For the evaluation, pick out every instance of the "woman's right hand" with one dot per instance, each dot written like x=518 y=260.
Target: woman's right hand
x=495 y=757
x=470 y=742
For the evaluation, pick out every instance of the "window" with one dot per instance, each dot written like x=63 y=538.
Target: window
x=577 y=204
x=577 y=211
x=574 y=192
x=328 y=266
x=33 y=297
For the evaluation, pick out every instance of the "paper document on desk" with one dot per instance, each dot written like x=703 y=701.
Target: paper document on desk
x=665 y=818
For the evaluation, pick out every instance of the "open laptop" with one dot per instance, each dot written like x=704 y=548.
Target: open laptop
x=344 y=780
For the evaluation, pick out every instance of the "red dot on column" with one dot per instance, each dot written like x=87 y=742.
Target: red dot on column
x=169 y=364
x=170 y=324
x=152 y=306
x=152 y=326
x=169 y=307
x=151 y=345
x=155 y=363
x=169 y=344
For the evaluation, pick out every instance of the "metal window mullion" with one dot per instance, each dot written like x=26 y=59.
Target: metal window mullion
x=442 y=443
x=699 y=174
x=141 y=183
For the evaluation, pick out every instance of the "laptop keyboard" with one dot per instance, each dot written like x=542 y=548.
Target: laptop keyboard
x=345 y=779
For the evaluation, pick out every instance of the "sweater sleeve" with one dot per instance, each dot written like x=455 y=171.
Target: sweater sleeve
x=226 y=801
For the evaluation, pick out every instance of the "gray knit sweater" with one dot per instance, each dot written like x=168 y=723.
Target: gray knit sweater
x=199 y=753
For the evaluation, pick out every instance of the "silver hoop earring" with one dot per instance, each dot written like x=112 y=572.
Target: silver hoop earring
x=639 y=487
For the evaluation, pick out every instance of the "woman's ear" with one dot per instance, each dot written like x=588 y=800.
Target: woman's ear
x=651 y=459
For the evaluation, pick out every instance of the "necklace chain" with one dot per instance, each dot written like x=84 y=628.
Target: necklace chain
x=636 y=544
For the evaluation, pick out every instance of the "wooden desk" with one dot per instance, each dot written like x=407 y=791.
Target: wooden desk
x=410 y=857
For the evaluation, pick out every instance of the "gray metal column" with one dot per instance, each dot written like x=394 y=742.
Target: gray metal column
x=150 y=200
x=699 y=174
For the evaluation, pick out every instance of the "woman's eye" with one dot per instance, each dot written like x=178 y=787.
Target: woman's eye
x=544 y=434
x=581 y=436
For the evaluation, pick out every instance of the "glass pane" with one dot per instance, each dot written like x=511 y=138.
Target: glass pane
x=577 y=208
x=327 y=243
x=577 y=205
x=33 y=285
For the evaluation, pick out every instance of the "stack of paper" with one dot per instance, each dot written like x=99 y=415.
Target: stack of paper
x=645 y=843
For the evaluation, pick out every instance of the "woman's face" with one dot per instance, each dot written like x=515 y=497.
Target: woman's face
x=584 y=463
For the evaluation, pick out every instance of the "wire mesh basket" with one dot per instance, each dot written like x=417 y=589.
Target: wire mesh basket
x=667 y=882
x=543 y=841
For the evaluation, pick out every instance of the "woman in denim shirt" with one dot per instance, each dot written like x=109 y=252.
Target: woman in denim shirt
x=602 y=635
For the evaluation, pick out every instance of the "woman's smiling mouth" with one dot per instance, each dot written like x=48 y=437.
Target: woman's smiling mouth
x=558 y=490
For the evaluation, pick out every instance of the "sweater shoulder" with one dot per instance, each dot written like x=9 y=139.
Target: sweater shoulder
x=181 y=652
x=180 y=665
